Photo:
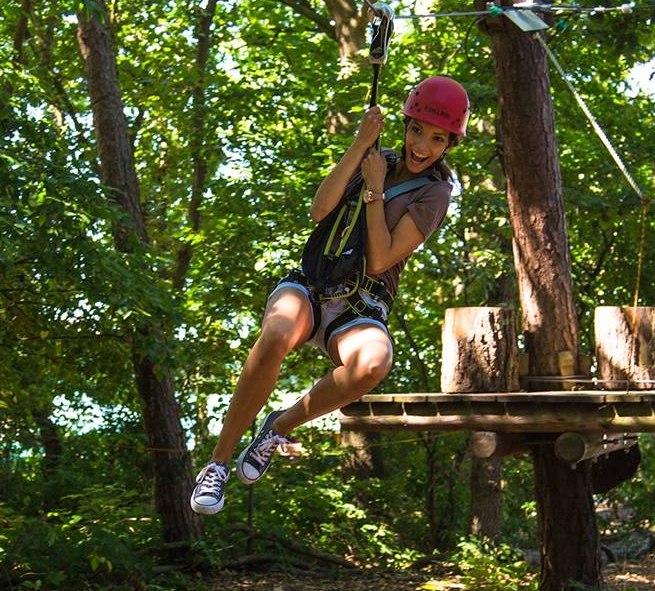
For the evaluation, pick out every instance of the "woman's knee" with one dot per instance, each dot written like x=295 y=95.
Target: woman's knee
x=280 y=336
x=372 y=366
x=275 y=341
x=287 y=322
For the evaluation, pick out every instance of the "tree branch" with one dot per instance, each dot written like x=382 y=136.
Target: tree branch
x=200 y=166
x=21 y=33
x=402 y=321
x=303 y=8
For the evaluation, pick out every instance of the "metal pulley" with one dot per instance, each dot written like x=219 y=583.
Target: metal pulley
x=381 y=17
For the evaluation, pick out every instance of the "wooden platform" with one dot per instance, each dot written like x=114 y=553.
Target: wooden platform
x=582 y=411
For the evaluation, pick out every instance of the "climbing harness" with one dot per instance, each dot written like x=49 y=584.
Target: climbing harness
x=333 y=262
x=334 y=251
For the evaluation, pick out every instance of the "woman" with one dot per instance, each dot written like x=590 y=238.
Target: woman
x=355 y=337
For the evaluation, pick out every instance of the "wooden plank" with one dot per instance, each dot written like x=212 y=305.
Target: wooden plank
x=411 y=398
x=501 y=424
x=543 y=412
x=591 y=396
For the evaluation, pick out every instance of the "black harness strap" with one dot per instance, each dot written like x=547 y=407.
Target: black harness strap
x=297 y=276
x=358 y=307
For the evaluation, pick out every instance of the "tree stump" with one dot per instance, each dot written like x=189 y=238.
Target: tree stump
x=363 y=457
x=625 y=353
x=625 y=347
x=480 y=354
x=480 y=351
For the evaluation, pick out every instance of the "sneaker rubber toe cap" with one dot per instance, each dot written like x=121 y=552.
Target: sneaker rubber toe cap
x=248 y=473
x=207 y=505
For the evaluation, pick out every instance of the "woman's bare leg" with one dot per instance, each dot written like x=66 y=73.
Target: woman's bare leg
x=287 y=323
x=365 y=353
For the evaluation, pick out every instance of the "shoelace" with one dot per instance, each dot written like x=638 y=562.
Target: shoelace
x=262 y=452
x=211 y=477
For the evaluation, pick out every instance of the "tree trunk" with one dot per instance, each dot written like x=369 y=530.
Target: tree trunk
x=51 y=462
x=364 y=454
x=486 y=497
x=625 y=353
x=569 y=538
x=350 y=22
x=480 y=354
x=171 y=460
x=625 y=347
x=569 y=535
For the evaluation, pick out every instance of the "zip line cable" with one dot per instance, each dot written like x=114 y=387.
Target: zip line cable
x=594 y=123
x=494 y=10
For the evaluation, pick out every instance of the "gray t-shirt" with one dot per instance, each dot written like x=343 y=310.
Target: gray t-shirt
x=427 y=207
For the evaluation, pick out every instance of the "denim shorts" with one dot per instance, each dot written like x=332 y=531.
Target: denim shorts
x=330 y=309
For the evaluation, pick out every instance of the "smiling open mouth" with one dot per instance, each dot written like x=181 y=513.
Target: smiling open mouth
x=414 y=157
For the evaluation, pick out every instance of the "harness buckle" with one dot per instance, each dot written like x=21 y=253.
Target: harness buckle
x=377 y=290
x=360 y=306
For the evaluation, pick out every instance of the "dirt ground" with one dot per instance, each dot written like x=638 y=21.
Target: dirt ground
x=625 y=576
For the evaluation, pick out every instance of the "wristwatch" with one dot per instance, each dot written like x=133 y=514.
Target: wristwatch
x=372 y=196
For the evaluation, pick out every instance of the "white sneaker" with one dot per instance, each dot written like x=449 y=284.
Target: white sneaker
x=255 y=459
x=208 y=495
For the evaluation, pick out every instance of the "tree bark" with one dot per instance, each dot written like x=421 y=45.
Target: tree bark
x=50 y=439
x=171 y=460
x=569 y=538
x=364 y=454
x=114 y=148
x=625 y=353
x=349 y=25
x=569 y=535
x=350 y=22
x=198 y=155
x=480 y=354
x=625 y=347
x=486 y=497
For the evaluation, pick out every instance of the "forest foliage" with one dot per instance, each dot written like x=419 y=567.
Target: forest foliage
x=76 y=507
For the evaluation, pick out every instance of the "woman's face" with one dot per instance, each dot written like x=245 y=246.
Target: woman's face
x=424 y=145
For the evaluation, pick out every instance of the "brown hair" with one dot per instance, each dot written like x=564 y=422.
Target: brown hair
x=440 y=165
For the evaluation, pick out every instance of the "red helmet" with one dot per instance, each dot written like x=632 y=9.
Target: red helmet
x=439 y=101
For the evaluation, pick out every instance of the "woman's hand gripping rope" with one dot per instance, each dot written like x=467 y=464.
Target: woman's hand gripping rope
x=371 y=126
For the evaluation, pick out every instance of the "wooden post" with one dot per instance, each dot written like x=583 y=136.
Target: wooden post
x=489 y=444
x=480 y=351
x=625 y=353
x=625 y=347
x=573 y=448
x=363 y=457
x=480 y=354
